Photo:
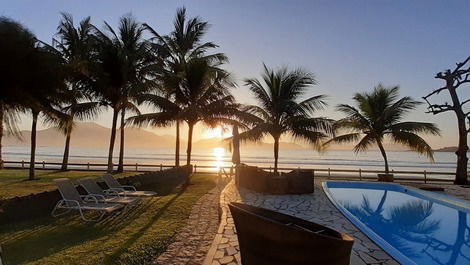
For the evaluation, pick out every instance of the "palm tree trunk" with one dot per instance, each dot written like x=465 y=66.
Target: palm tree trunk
x=276 y=153
x=190 y=143
x=382 y=150
x=33 y=145
x=177 y=150
x=121 y=145
x=65 y=159
x=1 y=134
x=111 y=141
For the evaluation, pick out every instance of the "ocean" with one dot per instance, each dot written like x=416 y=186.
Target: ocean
x=218 y=157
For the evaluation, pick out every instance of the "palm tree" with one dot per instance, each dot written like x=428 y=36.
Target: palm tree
x=378 y=116
x=75 y=46
x=181 y=45
x=203 y=96
x=280 y=112
x=37 y=93
x=122 y=64
x=16 y=48
x=74 y=105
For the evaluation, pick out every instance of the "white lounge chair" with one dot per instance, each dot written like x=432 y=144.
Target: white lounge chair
x=72 y=200
x=125 y=190
x=112 y=196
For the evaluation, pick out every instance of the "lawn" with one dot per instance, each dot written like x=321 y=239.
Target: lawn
x=14 y=182
x=135 y=236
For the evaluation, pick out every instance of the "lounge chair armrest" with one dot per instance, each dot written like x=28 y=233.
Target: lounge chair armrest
x=111 y=192
x=99 y=197
x=132 y=188
x=71 y=201
x=90 y=197
x=120 y=190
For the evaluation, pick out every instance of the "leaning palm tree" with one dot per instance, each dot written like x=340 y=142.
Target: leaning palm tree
x=75 y=47
x=74 y=105
x=379 y=116
x=181 y=45
x=280 y=112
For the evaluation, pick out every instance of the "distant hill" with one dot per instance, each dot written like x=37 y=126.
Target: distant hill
x=89 y=134
x=446 y=149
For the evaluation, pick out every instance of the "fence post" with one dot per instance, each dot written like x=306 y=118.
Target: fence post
x=425 y=178
x=329 y=173
x=360 y=174
x=161 y=167
x=195 y=168
x=231 y=171
x=136 y=167
x=43 y=165
x=270 y=169
x=22 y=164
x=88 y=166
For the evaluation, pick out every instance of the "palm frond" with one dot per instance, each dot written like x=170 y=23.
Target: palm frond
x=414 y=142
x=365 y=143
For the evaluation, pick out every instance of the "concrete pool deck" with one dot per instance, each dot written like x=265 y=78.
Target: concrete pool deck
x=314 y=207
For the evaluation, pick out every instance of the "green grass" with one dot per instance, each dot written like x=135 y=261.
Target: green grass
x=14 y=182
x=136 y=236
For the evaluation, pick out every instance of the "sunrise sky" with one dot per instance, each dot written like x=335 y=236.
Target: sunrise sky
x=349 y=45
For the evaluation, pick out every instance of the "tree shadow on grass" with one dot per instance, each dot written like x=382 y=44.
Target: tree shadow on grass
x=126 y=245
x=49 y=236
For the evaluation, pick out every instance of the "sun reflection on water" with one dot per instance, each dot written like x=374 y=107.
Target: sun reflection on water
x=218 y=153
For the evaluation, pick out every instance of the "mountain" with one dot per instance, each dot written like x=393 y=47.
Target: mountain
x=89 y=134
x=218 y=142
x=446 y=149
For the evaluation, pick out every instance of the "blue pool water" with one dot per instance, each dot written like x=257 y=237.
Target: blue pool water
x=413 y=226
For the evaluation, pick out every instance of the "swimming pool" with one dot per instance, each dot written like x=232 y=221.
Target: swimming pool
x=413 y=226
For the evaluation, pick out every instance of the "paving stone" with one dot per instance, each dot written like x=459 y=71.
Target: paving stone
x=193 y=242
x=231 y=251
x=219 y=254
x=226 y=260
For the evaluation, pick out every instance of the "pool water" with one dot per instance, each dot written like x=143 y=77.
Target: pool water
x=413 y=226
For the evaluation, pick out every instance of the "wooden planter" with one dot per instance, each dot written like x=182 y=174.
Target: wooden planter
x=385 y=177
x=267 y=237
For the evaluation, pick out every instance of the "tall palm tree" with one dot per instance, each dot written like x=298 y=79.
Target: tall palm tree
x=203 y=96
x=181 y=45
x=75 y=46
x=122 y=64
x=379 y=116
x=280 y=110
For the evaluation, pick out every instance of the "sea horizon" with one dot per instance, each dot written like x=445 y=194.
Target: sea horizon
x=221 y=157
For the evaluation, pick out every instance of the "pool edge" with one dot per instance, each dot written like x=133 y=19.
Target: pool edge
x=376 y=239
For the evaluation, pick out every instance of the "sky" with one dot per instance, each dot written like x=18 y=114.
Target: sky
x=350 y=46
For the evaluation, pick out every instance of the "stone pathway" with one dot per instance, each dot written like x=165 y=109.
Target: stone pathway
x=193 y=242
x=313 y=207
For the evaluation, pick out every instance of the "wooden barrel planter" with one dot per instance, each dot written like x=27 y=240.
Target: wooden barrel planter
x=267 y=237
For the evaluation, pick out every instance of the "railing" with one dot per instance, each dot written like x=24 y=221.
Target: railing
x=228 y=171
